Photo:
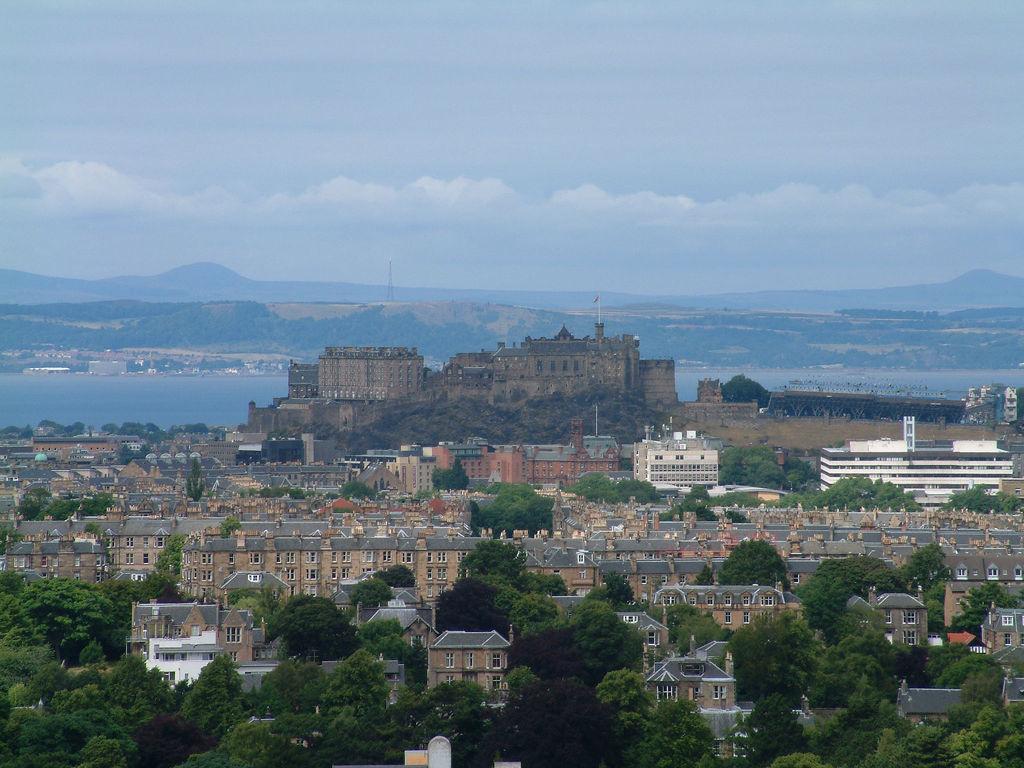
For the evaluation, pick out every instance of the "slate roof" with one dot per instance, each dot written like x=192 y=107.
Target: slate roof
x=926 y=701
x=685 y=668
x=460 y=639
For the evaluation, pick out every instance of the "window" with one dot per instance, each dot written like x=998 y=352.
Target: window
x=746 y=617
x=254 y=578
x=1007 y=622
x=231 y=558
x=449 y=660
x=368 y=556
x=666 y=692
x=206 y=558
x=255 y=558
x=129 y=541
x=495 y=682
x=496 y=661
x=289 y=574
x=311 y=574
x=652 y=638
x=311 y=557
x=129 y=559
x=961 y=573
x=430 y=574
x=767 y=599
x=469 y=660
x=407 y=558
x=232 y=634
x=993 y=572
x=1007 y=639
x=910 y=617
x=910 y=637
x=718 y=692
x=289 y=557
x=746 y=599
x=727 y=617
x=160 y=541
x=346 y=557
x=710 y=599
x=888 y=616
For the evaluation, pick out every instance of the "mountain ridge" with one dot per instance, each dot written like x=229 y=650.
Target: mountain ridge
x=210 y=281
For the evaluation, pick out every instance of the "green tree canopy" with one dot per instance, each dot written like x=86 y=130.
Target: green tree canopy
x=214 y=702
x=451 y=479
x=774 y=655
x=754 y=562
x=195 y=486
x=371 y=592
x=313 y=628
x=605 y=641
x=740 y=389
x=515 y=507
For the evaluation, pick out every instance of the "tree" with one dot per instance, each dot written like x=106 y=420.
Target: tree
x=293 y=686
x=496 y=562
x=34 y=503
x=469 y=605
x=169 y=559
x=92 y=653
x=625 y=694
x=257 y=745
x=756 y=465
x=754 y=562
x=800 y=760
x=772 y=731
x=355 y=489
x=195 y=486
x=551 y=654
x=596 y=486
x=979 y=601
x=313 y=628
x=136 y=694
x=860 y=656
x=371 y=592
x=685 y=622
x=774 y=654
x=397 y=576
x=532 y=613
x=104 y=752
x=385 y=639
x=677 y=737
x=356 y=685
x=605 y=642
x=214 y=702
x=617 y=592
x=740 y=389
x=167 y=740
x=69 y=614
x=706 y=577
x=458 y=711
x=229 y=526
x=515 y=507
x=553 y=725
x=824 y=597
x=453 y=479
x=925 y=568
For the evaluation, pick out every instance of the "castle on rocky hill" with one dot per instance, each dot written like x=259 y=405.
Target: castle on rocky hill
x=349 y=384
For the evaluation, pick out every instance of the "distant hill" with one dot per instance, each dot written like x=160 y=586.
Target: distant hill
x=207 y=282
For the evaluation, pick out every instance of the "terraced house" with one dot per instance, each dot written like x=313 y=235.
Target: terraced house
x=731 y=606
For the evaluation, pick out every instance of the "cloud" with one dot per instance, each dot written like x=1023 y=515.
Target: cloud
x=343 y=194
x=642 y=205
x=78 y=188
x=84 y=187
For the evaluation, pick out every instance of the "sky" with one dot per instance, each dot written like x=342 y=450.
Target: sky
x=676 y=147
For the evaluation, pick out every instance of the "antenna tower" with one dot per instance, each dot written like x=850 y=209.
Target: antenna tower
x=391 y=284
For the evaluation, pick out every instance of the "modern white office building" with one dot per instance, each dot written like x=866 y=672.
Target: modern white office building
x=183 y=658
x=932 y=470
x=682 y=461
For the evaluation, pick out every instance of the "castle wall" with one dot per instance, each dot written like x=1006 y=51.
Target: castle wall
x=658 y=381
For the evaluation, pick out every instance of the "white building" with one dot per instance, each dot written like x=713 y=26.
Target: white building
x=182 y=658
x=932 y=470
x=679 y=462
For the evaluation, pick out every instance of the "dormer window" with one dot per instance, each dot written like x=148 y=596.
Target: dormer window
x=993 y=572
x=961 y=572
x=581 y=558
